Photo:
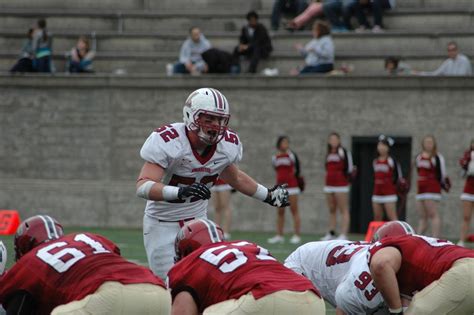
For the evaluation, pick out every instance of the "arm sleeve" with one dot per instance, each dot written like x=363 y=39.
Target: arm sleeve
x=34 y=43
x=153 y=151
x=468 y=67
x=185 y=53
x=240 y=152
x=325 y=50
x=243 y=38
x=440 y=71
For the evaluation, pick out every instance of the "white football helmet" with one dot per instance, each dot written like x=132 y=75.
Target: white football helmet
x=3 y=257
x=210 y=102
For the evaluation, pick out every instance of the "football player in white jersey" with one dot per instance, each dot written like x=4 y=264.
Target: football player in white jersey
x=339 y=269
x=184 y=160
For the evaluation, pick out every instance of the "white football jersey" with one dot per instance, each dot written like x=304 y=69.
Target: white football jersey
x=357 y=293
x=324 y=263
x=170 y=148
x=340 y=271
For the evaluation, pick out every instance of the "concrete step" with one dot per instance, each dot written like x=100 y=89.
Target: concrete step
x=389 y=43
x=180 y=21
x=198 y=5
x=151 y=63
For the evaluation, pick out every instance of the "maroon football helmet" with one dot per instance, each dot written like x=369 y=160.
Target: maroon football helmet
x=195 y=234
x=35 y=231
x=393 y=228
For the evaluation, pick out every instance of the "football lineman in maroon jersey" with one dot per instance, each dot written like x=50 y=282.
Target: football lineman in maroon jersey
x=437 y=274
x=76 y=273
x=212 y=276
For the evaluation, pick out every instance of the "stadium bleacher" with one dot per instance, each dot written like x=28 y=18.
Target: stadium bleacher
x=143 y=36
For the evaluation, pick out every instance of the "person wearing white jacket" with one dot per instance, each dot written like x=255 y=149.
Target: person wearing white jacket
x=319 y=52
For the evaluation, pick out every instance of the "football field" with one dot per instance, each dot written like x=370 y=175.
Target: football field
x=130 y=242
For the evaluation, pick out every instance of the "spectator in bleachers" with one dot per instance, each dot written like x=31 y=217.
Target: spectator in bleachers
x=254 y=42
x=190 y=59
x=81 y=56
x=339 y=13
x=25 y=62
x=319 y=52
x=394 y=66
x=377 y=7
x=314 y=9
x=287 y=7
x=456 y=65
x=42 y=47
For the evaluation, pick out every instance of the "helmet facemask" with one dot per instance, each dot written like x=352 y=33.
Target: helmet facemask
x=209 y=132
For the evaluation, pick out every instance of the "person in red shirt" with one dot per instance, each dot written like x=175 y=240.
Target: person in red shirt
x=467 y=197
x=436 y=273
x=221 y=192
x=80 y=273
x=287 y=168
x=213 y=276
x=387 y=174
x=339 y=169
x=432 y=178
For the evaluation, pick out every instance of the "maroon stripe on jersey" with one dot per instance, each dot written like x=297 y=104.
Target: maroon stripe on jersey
x=215 y=98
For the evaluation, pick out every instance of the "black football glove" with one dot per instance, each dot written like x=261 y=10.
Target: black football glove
x=278 y=196
x=196 y=190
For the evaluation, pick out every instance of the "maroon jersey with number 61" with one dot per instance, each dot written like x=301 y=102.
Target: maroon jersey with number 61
x=68 y=269
x=424 y=259
x=228 y=270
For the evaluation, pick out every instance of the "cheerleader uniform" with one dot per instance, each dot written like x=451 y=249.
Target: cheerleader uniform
x=431 y=171
x=468 y=165
x=287 y=168
x=220 y=185
x=338 y=167
x=386 y=174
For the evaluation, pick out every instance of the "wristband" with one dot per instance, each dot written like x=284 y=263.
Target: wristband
x=396 y=311
x=144 y=190
x=170 y=193
x=261 y=193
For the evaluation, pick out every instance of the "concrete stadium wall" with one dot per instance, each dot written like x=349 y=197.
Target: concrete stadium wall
x=69 y=146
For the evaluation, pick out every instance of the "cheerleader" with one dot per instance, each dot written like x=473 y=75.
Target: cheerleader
x=467 y=197
x=287 y=168
x=432 y=177
x=221 y=199
x=339 y=169
x=387 y=174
